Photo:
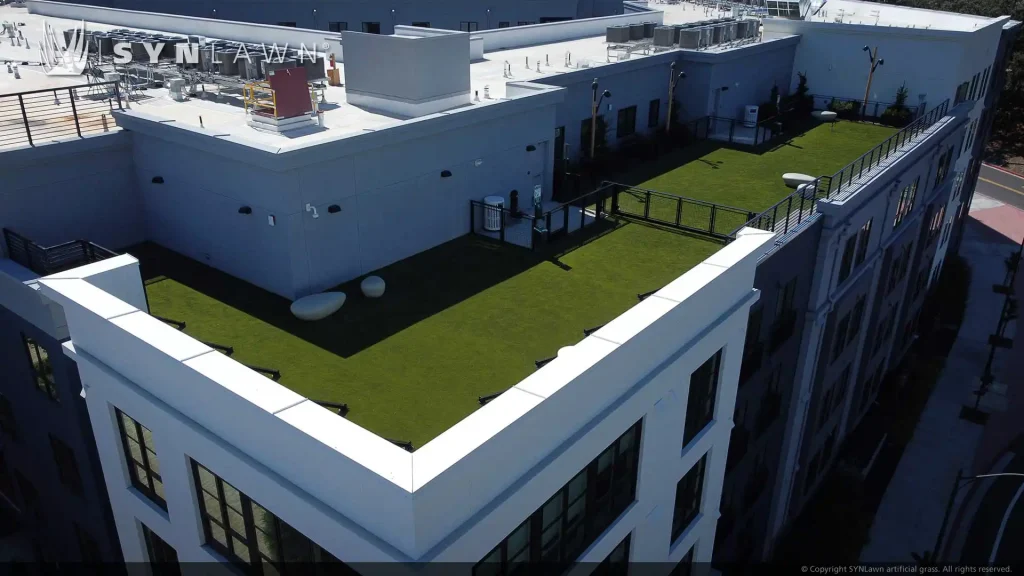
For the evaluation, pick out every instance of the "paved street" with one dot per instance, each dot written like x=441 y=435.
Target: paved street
x=1002 y=186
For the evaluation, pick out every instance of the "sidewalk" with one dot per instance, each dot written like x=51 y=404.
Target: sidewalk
x=908 y=518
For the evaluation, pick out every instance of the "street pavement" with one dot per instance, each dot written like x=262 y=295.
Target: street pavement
x=1001 y=185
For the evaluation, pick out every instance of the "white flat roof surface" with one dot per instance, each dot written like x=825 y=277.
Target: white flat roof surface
x=223 y=113
x=874 y=13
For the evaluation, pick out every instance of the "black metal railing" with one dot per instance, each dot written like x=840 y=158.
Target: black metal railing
x=570 y=217
x=40 y=116
x=800 y=205
x=873 y=109
x=45 y=261
x=715 y=220
x=501 y=223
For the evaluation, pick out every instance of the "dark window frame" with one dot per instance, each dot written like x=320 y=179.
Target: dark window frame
x=162 y=556
x=337 y=26
x=87 y=546
x=685 y=565
x=654 y=113
x=369 y=27
x=625 y=124
x=469 y=26
x=846 y=261
x=856 y=318
x=276 y=531
x=288 y=24
x=42 y=370
x=8 y=421
x=690 y=485
x=839 y=339
x=504 y=24
x=573 y=534
x=150 y=464
x=617 y=561
x=863 y=237
x=421 y=24
x=700 y=406
x=67 y=465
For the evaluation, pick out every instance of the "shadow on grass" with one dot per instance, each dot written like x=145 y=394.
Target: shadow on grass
x=417 y=288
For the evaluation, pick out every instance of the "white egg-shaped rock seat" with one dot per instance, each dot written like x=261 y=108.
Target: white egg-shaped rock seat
x=794 y=179
x=317 y=306
x=372 y=286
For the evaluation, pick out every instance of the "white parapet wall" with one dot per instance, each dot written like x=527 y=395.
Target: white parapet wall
x=313 y=40
x=365 y=499
x=551 y=32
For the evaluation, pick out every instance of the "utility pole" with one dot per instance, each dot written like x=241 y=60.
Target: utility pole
x=875 y=63
x=673 y=79
x=595 y=103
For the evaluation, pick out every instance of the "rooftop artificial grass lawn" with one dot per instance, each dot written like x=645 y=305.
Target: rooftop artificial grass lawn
x=711 y=172
x=462 y=320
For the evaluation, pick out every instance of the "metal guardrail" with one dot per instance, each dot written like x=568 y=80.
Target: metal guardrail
x=39 y=116
x=708 y=218
x=53 y=259
x=792 y=210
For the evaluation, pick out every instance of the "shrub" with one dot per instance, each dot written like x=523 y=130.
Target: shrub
x=898 y=115
x=845 y=109
x=804 y=102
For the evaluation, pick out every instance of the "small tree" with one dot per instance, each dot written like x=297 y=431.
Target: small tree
x=804 y=101
x=897 y=114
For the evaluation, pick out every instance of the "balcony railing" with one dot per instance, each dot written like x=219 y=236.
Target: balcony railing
x=791 y=211
x=39 y=116
x=872 y=110
x=54 y=259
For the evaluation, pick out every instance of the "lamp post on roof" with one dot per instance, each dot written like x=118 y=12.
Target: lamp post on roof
x=314 y=19
x=875 y=63
x=595 y=104
x=673 y=79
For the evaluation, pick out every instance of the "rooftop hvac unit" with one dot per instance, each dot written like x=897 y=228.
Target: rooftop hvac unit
x=753 y=28
x=104 y=44
x=169 y=51
x=226 y=63
x=689 y=38
x=139 y=53
x=270 y=66
x=705 y=36
x=251 y=69
x=730 y=31
x=665 y=36
x=617 y=34
x=636 y=31
x=314 y=68
x=716 y=33
x=649 y=29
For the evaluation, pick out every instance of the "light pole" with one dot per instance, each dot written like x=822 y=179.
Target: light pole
x=595 y=103
x=673 y=79
x=961 y=481
x=875 y=63
x=314 y=19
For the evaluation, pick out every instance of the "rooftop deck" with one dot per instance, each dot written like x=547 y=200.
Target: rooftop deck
x=752 y=180
x=463 y=320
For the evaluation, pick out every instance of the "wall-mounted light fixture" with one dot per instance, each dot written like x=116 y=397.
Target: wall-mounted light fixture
x=311 y=208
x=158 y=179
x=446 y=173
x=333 y=209
x=530 y=148
x=245 y=210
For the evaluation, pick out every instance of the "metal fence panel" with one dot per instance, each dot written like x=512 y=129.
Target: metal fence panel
x=40 y=116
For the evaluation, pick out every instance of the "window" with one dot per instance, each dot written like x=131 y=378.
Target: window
x=526 y=23
x=42 y=369
x=974 y=87
x=700 y=408
x=826 y=451
x=653 y=113
x=685 y=566
x=942 y=170
x=856 y=318
x=863 y=236
x=67 y=467
x=752 y=349
x=421 y=24
x=984 y=83
x=839 y=338
x=841 y=386
x=847 y=262
x=371 y=27
x=824 y=408
x=785 y=315
x=571 y=520
x=688 y=496
x=87 y=546
x=162 y=556
x=337 y=26
x=961 y=93
x=288 y=24
x=935 y=225
x=140 y=456
x=246 y=533
x=466 y=26
x=617 y=562
x=811 y=474
x=8 y=425
x=503 y=24
x=906 y=201
x=29 y=497
x=626 y=125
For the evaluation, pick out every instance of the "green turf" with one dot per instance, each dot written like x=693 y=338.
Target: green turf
x=462 y=320
x=752 y=181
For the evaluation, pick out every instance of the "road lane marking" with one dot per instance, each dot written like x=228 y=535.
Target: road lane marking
x=1014 y=190
x=1003 y=170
